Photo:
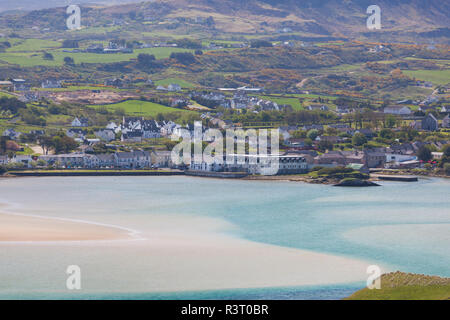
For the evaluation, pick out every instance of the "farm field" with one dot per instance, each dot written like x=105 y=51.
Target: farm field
x=295 y=103
x=34 y=57
x=179 y=81
x=437 y=77
x=141 y=108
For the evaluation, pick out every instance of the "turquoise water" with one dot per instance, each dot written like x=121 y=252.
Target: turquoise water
x=405 y=226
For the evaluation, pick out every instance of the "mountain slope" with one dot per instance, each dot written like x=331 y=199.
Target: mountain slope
x=399 y=18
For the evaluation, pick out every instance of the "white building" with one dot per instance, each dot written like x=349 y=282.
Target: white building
x=398 y=110
x=105 y=134
x=80 y=122
x=256 y=164
x=173 y=87
x=51 y=84
x=133 y=160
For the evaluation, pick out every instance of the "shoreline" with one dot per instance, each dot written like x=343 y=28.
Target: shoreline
x=403 y=176
x=23 y=228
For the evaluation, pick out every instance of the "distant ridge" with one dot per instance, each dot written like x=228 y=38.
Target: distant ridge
x=399 y=18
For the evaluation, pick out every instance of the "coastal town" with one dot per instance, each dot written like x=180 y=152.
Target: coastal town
x=224 y=150
x=345 y=136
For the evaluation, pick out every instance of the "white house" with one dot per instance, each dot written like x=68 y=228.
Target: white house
x=392 y=157
x=80 y=122
x=113 y=126
x=173 y=87
x=24 y=159
x=105 y=134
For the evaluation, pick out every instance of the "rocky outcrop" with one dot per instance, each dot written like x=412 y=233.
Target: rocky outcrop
x=352 y=182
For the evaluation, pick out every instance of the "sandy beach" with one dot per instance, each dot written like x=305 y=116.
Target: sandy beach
x=193 y=253
x=34 y=229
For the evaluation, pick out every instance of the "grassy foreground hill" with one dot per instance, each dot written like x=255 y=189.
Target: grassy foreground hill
x=407 y=286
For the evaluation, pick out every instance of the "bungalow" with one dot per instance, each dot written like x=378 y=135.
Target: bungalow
x=317 y=107
x=80 y=122
x=396 y=158
x=430 y=123
x=437 y=155
x=398 y=110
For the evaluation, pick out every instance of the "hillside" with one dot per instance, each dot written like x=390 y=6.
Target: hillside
x=407 y=286
x=401 y=19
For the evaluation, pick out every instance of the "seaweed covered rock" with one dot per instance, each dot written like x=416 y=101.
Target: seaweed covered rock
x=353 y=182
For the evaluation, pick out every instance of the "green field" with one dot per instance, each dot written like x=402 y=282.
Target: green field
x=32 y=45
x=437 y=77
x=5 y=94
x=142 y=108
x=35 y=57
x=404 y=286
x=181 y=82
x=406 y=293
x=295 y=103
